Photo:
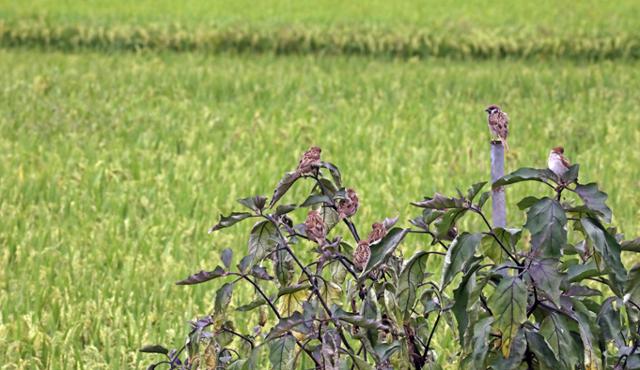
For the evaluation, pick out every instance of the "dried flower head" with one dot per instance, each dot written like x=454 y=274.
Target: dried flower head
x=309 y=161
x=315 y=227
x=378 y=231
x=349 y=206
x=361 y=255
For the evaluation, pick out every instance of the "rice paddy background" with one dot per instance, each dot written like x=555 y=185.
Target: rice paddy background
x=114 y=164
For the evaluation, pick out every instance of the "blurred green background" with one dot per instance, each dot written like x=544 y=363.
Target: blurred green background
x=116 y=159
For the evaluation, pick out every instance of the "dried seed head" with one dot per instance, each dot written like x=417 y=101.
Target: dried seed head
x=361 y=255
x=315 y=227
x=309 y=161
x=349 y=206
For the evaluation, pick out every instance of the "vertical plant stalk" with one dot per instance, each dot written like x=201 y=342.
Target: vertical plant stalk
x=312 y=279
x=277 y=313
x=498 y=199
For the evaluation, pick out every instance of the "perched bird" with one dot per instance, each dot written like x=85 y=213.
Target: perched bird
x=349 y=206
x=315 y=227
x=361 y=255
x=558 y=164
x=498 y=123
x=309 y=161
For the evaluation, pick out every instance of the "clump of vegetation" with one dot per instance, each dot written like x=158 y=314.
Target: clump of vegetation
x=552 y=294
x=400 y=42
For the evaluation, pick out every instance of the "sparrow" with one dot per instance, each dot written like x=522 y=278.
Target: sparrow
x=349 y=206
x=315 y=227
x=498 y=123
x=558 y=164
x=361 y=255
x=309 y=161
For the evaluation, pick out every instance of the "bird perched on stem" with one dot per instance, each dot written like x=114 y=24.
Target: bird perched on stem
x=558 y=163
x=498 y=124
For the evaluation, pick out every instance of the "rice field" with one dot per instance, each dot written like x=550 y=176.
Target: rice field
x=115 y=164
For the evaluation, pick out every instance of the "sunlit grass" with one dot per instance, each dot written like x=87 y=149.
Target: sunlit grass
x=114 y=166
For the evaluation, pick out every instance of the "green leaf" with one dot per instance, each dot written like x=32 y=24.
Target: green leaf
x=226 y=256
x=609 y=249
x=315 y=199
x=474 y=190
x=554 y=328
x=631 y=245
x=463 y=298
x=441 y=202
x=255 y=203
x=203 y=276
x=527 y=202
x=226 y=221
x=291 y=299
x=542 y=350
x=483 y=199
x=524 y=174
x=223 y=298
x=446 y=222
x=359 y=362
x=287 y=324
x=381 y=251
x=386 y=350
x=334 y=171
x=459 y=255
x=245 y=263
x=481 y=331
x=609 y=321
x=282 y=353
x=594 y=199
x=252 y=305
x=547 y=277
x=579 y=272
x=293 y=288
x=263 y=240
x=284 y=267
x=513 y=362
x=358 y=320
x=284 y=209
x=632 y=285
x=283 y=186
x=491 y=248
x=154 y=348
x=260 y=273
x=571 y=175
x=509 y=306
x=410 y=278
x=329 y=216
x=589 y=341
x=546 y=221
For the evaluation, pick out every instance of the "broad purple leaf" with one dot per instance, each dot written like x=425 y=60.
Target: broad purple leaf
x=203 y=276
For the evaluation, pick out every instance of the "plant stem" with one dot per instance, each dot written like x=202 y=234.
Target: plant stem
x=264 y=296
x=511 y=256
x=433 y=330
x=275 y=311
x=310 y=277
x=433 y=236
x=239 y=335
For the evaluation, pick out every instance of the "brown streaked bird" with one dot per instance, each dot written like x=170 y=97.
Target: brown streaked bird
x=558 y=163
x=498 y=123
x=309 y=161
x=362 y=254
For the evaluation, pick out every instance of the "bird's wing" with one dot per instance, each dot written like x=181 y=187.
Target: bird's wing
x=565 y=162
